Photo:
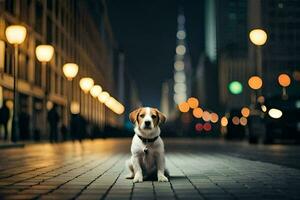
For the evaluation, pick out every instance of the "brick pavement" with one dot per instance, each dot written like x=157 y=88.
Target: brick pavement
x=95 y=170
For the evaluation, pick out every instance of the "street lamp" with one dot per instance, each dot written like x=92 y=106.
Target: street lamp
x=86 y=84
x=70 y=71
x=96 y=91
x=103 y=97
x=44 y=54
x=284 y=80
x=255 y=83
x=258 y=37
x=15 y=35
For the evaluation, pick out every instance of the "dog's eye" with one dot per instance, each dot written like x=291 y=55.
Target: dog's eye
x=153 y=116
x=142 y=115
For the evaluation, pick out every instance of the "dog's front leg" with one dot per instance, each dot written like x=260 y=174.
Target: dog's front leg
x=138 y=174
x=160 y=160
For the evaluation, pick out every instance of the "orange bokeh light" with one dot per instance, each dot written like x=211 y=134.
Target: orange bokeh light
x=214 y=117
x=224 y=121
x=197 y=112
x=255 y=82
x=184 y=107
x=284 y=80
x=243 y=121
x=206 y=116
x=245 y=111
x=193 y=102
x=235 y=120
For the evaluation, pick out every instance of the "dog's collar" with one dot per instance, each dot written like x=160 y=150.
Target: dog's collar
x=147 y=140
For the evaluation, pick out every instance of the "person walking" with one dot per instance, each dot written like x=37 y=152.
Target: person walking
x=4 y=117
x=53 y=119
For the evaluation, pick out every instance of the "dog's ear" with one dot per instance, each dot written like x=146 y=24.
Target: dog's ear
x=133 y=115
x=161 y=116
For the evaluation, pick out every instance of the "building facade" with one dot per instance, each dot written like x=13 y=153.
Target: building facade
x=280 y=54
x=80 y=33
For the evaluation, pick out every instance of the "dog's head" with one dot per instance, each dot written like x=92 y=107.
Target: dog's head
x=147 y=118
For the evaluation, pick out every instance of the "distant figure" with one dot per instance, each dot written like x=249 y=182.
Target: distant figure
x=24 y=119
x=64 y=132
x=53 y=119
x=4 y=117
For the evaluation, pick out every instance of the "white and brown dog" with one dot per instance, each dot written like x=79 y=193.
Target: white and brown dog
x=147 y=148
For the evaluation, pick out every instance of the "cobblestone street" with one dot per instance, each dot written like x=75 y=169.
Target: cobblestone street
x=198 y=169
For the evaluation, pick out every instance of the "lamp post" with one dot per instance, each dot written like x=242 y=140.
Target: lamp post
x=255 y=83
x=15 y=35
x=86 y=84
x=258 y=37
x=44 y=54
x=70 y=71
x=284 y=81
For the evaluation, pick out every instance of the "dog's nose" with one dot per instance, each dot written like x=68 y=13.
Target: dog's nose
x=147 y=123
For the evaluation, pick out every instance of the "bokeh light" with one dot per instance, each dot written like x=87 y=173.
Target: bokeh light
x=183 y=107
x=263 y=108
x=193 y=102
x=245 y=111
x=179 y=65
x=275 y=113
x=224 y=121
x=261 y=99
x=235 y=87
x=243 y=121
x=198 y=127
x=235 y=120
x=197 y=112
x=207 y=126
x=284 y=80
x=206 y=116
x=214 y=117
x=258 y=37
x=255 y=82
x=180 y=49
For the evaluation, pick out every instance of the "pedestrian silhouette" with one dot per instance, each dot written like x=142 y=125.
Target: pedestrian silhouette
x=4 y=117
x=53 y=119
x=24 y=119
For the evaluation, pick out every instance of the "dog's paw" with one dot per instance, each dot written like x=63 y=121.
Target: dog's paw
x=162 y=178
x=138 y=178
x=129 y=176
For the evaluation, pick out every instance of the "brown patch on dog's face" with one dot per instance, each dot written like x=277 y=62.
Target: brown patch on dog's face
x=133 y=116
x=161 y=118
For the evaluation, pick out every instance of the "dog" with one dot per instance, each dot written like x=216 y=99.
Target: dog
x=147 y=148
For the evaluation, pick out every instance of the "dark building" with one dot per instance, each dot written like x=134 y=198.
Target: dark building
x=280 y=19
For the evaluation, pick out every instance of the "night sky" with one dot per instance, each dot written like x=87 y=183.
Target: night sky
x=146 y=31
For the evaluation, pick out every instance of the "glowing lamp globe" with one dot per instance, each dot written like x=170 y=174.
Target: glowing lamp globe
x=75 y=107
x=15 y=34
x=86 y=84
x=44 y=53
x=258 y=37
x=103 y=97
x=235 y=87
x=255 y=82
x=284 y=80
x=70 y=70
x=96 y=91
